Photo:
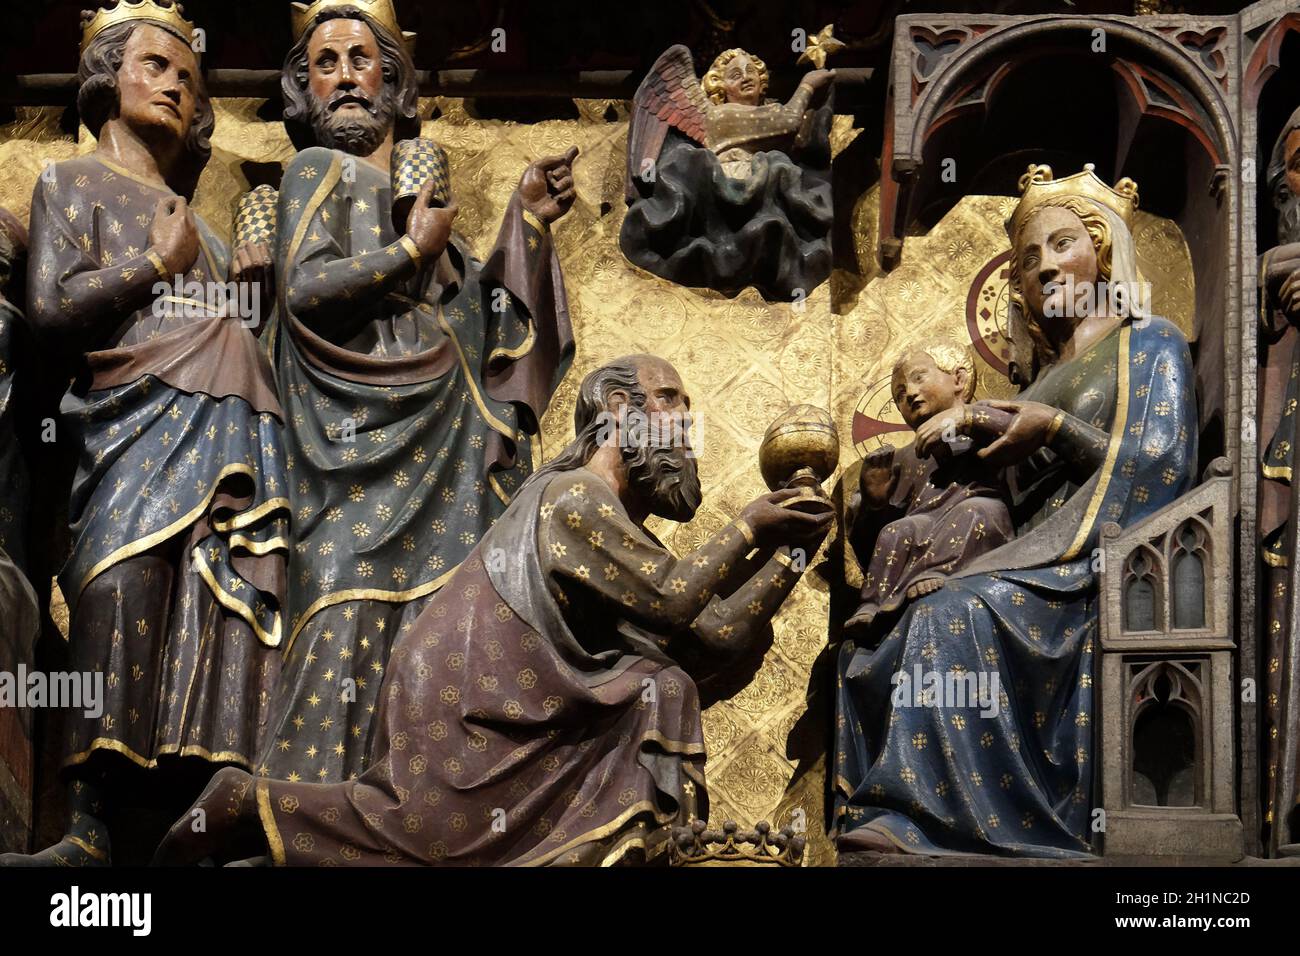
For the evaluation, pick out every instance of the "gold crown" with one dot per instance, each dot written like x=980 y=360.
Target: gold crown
x=164 y=13
x=698 y=844
x=1037 y=186
x=381 y=11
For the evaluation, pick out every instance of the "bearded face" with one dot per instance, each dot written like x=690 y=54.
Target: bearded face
x=668 y=478
x=650 y=424
x=661 y=466
x=1284 y=180
x=352 y=121
x=1288 y=216
x=352 y=104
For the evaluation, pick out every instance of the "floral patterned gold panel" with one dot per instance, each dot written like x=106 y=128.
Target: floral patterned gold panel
x=744 y=361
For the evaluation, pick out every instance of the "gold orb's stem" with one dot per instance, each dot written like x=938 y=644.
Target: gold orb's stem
x=812 y=497
x=803 y=477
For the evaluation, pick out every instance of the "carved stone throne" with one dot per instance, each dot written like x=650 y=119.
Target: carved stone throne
x=1166 y=711
x=1178 y=749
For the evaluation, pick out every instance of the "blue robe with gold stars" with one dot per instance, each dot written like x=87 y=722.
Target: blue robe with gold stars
x=413 y=392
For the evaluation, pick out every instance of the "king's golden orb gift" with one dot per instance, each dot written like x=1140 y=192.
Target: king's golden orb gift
x=801 y=450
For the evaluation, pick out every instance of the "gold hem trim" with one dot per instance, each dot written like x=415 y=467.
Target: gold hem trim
x=613 y=826
x=1274 y=560
x=258 y=548
x=367 y=594
x=493 y=422
x=327 y=184
x=269 y=826
x=673 y=746
x=887 y=835
x=140 y=545
x=107 y=743
x=1276 y=471
x=159 y=267
x=623 y=849
x=214 y=756
x=234 y=605
x=534 y=221
x=1053 y=428
x=206 y=636
x=498 y=490
x=844 y=787
x=134 y=177
x=85 y=847
x=599 y=833
x=638 y=842
x=195 y=303
x=244 y=518
x=520 y=350
x=1112 y=452
x=149 y=763
x=412 y=250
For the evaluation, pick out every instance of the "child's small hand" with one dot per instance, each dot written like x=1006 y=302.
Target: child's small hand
x=944 y=427
x=879 y=477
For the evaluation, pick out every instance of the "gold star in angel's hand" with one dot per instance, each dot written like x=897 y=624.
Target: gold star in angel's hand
x=820 y=47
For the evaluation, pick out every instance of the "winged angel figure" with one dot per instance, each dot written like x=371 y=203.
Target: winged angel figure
x=728 y=189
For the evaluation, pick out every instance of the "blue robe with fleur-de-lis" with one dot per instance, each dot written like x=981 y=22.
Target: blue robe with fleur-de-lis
x=1010 y=771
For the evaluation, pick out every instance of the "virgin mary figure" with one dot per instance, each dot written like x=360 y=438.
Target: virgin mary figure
x=969 y=726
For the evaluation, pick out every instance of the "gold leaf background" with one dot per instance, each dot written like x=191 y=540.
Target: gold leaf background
x=744 y=362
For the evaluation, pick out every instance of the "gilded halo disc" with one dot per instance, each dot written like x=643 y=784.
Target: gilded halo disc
x=875 y=416
x=986 y=313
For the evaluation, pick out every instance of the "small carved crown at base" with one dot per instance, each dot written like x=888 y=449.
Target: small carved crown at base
x=1037 y=186
x=760 y=847
x=164 y=13
x=380 y=11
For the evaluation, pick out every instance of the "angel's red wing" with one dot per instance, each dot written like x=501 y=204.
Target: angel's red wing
x=670 y=95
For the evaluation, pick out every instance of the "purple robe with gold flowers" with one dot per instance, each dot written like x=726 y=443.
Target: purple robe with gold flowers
x=938 y=519
x=539 y=710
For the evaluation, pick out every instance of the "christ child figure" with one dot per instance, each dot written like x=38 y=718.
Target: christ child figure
x=929 y=509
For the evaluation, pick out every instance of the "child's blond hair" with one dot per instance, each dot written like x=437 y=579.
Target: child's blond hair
x=948 y=355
